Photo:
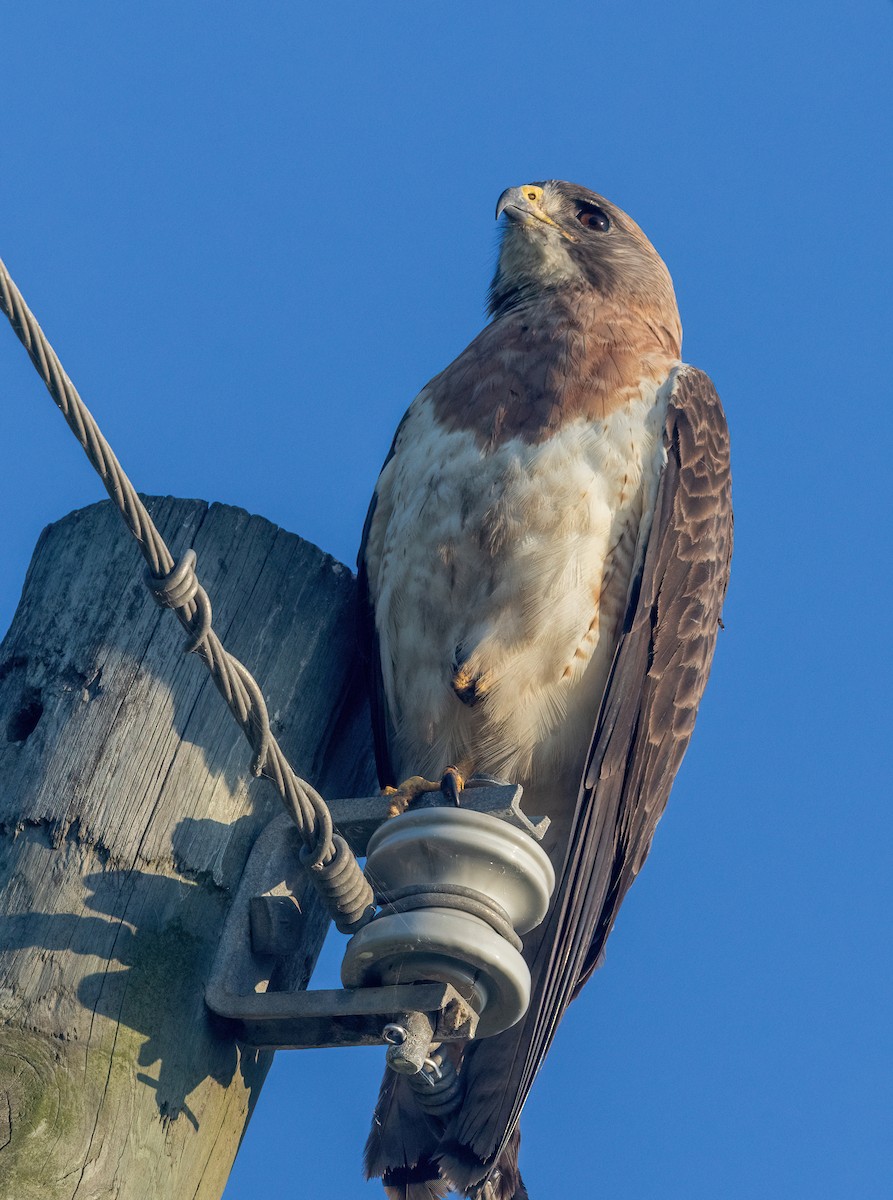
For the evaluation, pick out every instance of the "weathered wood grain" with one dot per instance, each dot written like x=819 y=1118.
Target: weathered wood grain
x=126 y=815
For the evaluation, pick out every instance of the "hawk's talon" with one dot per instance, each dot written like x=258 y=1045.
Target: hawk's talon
x=452 y=784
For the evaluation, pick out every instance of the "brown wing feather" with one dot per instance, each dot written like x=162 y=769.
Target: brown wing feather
x=367 y=642
x=644 y=724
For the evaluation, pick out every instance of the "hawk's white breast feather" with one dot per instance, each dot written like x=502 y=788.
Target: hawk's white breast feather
x=515 y=565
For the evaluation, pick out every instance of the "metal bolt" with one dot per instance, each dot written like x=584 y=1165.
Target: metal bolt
x=409 y=1043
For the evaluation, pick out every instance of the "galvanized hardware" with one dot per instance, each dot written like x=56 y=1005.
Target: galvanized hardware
x=456 y=886
x=409 y=1043
x=262 y=938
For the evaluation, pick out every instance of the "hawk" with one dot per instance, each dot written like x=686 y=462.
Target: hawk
x=541 y=579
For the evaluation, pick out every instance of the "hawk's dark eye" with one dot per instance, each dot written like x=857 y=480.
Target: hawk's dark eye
x=594 y=217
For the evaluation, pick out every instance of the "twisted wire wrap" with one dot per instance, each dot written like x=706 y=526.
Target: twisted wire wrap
x=176 y=586
x=349 y=894
x=438 y=1087
x=452 y=895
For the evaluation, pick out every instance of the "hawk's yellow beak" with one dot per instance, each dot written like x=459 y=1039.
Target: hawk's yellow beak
x=521 y=204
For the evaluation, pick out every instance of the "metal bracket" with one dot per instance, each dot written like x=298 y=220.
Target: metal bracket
x=344 y=1017
x=263 y=932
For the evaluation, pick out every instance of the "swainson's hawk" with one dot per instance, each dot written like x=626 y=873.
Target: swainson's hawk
x=542 y=573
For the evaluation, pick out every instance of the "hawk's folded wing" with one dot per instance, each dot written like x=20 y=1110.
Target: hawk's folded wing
x=641 y=733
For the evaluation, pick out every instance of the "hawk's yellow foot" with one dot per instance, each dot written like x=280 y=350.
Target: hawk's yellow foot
x=410 y=789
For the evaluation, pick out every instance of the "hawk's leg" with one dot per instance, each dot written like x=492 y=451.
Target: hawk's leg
x=450 y=785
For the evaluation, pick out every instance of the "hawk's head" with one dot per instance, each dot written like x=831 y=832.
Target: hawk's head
x=560 y=234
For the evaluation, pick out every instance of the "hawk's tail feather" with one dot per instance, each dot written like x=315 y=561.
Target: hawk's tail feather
x=421 y=1182
x=466 y=1173
x=402 y=1142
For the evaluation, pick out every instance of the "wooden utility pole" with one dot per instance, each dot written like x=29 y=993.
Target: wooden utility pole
x=127 y=812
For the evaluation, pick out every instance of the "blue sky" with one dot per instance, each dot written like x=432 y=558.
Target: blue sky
x=253 y=235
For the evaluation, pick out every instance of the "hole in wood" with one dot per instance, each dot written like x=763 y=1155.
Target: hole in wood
x=24 y=720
